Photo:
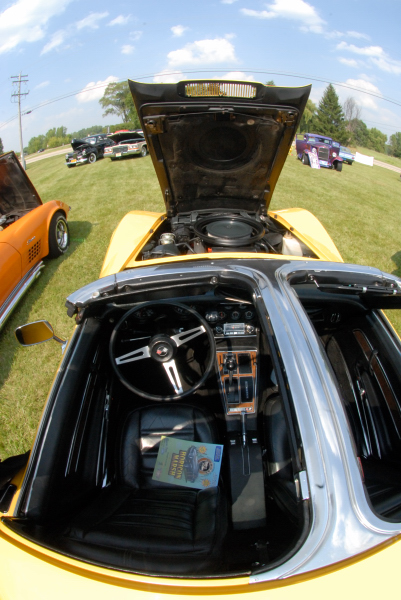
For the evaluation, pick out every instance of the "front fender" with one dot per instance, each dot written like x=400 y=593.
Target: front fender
x=132 y=233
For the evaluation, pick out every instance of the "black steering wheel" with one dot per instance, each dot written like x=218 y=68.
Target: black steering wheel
x=166 y=348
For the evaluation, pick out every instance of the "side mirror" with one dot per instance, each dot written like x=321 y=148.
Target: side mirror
x=37 y=333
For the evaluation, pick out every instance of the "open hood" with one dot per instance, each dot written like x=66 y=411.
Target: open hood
x=218 y=145
x=17 y=193
x=77 y=143
x=123 y=136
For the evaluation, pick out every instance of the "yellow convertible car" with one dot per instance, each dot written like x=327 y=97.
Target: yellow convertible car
x=242 y=335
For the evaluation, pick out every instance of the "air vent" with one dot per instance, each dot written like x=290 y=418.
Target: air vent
x=34 y=251
x=215 y=89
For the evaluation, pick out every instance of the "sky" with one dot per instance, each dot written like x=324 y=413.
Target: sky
x=67 y=46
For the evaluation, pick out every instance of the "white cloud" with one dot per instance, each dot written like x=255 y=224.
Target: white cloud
x=42 y=85
x=135 y=35
x=92 y=20
x=237 y=76
x=357 y=35
x=127 y=49
x=376 y=56
x=228 y=1
x=364 y=100
x=295 y=10
x=366 y=51
x=167 y=76
x=95 y=90
x=349 y=62
x=178 y=30
x=56 y=40
x=26 y=21
x=120 y=20
x=203 y=52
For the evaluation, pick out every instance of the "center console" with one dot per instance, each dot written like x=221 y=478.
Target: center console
x=237 y=355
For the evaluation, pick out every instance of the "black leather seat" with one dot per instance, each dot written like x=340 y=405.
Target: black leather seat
x=281 y=486
x=147 y=525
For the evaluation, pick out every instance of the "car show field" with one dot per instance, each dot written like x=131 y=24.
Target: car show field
x=359 y=207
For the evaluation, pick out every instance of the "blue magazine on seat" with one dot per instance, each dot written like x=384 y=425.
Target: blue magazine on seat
x=191 y=464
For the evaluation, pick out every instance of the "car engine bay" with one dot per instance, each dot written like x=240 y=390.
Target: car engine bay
x=200 y=232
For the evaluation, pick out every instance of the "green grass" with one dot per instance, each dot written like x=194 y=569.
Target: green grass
x=391 y=160
x=360 y=208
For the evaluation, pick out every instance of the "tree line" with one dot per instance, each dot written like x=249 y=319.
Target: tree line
x=342 y=123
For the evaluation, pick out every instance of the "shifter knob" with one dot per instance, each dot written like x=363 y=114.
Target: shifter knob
x=231 y=363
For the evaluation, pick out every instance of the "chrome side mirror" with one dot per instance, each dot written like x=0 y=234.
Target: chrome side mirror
x=37 y=333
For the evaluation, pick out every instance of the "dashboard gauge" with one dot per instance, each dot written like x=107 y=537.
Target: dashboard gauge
x=235 y=315
x=144 y=314
x=249 y=314
x=212 y=316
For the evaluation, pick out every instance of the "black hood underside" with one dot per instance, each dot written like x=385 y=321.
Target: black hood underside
x=218 y=152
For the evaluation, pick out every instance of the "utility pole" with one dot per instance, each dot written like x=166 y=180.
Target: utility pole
x=17 y=97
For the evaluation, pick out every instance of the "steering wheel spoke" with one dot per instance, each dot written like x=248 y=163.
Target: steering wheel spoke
x=139 y=354
x=185 y=336
x=171 y=369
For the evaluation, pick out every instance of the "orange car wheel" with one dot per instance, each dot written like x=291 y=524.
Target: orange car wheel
x=59 y=237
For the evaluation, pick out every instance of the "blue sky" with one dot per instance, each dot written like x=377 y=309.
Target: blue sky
x=64 y=46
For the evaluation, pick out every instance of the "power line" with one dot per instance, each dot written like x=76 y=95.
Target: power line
x=281 y=73
x=18 y=95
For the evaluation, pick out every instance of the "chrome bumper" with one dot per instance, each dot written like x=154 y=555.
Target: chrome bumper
x=17 y=293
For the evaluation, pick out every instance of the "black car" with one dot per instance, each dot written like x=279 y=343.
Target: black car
x=87 y=150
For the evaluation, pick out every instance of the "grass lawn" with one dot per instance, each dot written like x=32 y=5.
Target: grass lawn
x=360 y=207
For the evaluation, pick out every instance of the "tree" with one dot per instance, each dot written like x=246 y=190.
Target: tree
x=377 y=140
x=1 y=146
x=329 y=118
x=361 y=133
x=307 y=117
x=395 y=144
x=352 y=114
x=36 y=143
x=117 y=100
x=271 y=83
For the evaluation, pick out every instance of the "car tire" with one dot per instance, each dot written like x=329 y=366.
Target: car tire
x=144 y=151
x=92 y=157
x=339 y=166
x=70 y=166
x=59 y=236
x=305 y=159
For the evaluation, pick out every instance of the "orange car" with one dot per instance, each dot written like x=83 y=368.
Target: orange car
x=29 y=231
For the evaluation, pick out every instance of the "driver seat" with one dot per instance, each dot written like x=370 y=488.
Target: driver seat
x=145 y=525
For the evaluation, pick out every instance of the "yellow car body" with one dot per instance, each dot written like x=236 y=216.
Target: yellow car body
x=342 y=523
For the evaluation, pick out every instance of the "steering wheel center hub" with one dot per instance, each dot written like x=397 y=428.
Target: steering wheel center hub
x=162 y=348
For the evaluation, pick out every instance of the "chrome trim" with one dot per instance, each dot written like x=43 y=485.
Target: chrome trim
x=171 y=369
x=185 y=336
x=17 y=293
x=138 y=354
x=303 y=485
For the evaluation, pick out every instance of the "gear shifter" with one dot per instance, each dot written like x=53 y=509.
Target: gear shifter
x=232 y=383
x=231 y=365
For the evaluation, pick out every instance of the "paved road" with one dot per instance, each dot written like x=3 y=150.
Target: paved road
x=42 y=155
x=378 y=163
